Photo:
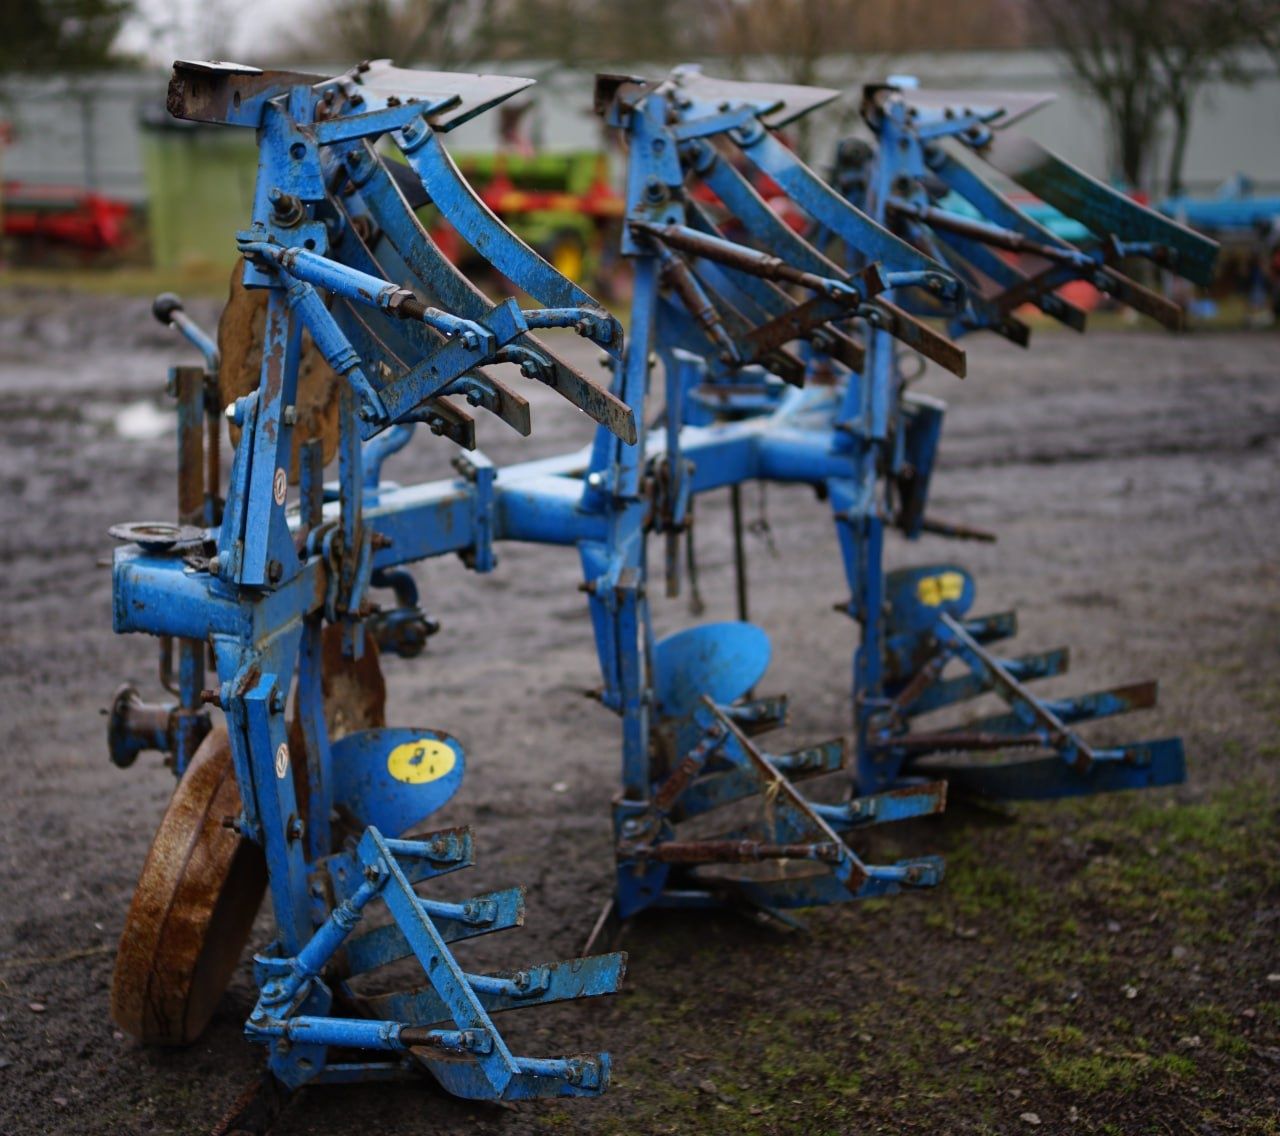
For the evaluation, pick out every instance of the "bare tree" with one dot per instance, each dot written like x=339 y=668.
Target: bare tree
x=792 y=39
x=1204 y=42
x=443 y=33
x=1145 y=60
x=799 y=40
x=68 y=35
x=1108 y=45
x=454 y=33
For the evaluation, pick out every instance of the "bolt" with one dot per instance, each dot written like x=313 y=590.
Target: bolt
x=295 y=828
x=215 y=566
x=290 y=415
x=654 y=190
x=275 y=571
x=277 y=701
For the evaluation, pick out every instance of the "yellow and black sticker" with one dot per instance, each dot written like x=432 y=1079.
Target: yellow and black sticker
x=420 y=761
x=934 y=591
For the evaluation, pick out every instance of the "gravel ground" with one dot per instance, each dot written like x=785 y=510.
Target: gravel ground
x=1107 y=965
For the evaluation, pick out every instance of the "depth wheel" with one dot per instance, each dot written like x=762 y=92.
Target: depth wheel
x=195 y=903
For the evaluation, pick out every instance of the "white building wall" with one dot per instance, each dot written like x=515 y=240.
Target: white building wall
x=86 y=131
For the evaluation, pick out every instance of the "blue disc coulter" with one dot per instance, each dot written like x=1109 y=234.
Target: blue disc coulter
x=758 y=351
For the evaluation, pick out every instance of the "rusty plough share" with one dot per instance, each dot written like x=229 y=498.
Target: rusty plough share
x=358 y=329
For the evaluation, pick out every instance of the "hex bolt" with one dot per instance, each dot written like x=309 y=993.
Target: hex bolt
x=290 y=415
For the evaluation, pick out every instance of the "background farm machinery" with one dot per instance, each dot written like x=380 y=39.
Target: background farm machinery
x=779 y=357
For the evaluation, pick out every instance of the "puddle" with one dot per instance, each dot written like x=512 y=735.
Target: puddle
x=143 y=421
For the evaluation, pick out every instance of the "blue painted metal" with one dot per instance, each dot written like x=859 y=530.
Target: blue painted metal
x=1234 y=210
x=394 y=778
x=259 y=582
x=720 y=660
x=745 y=316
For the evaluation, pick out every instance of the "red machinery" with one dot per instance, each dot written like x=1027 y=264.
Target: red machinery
x=64 y=215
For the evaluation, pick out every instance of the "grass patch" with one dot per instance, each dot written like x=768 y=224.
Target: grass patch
x=1097 y=1073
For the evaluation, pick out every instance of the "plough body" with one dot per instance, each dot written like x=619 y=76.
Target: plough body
x=779 y=359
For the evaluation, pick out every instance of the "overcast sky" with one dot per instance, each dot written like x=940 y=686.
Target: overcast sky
x=239 y=30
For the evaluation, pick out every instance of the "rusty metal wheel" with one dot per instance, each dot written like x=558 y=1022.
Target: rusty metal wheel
x=195 y=903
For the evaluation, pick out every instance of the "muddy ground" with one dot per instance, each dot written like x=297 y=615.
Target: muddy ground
x=1101 y=966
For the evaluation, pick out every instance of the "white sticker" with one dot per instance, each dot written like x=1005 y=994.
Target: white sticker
x=282 y=760
x=280 y=485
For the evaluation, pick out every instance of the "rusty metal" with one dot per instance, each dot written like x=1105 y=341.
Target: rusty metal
x=731 y=851
x=679 y=277
x=193 y=909
x=863 y=286
x=241 y=331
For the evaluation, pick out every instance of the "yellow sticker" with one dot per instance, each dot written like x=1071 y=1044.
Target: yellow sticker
x=933 y=591
x=416 y=763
